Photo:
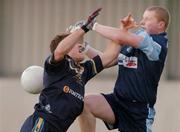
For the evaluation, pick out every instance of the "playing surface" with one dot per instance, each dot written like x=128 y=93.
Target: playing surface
x=16 y=105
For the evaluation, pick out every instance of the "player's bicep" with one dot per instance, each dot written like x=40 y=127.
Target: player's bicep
x=110 y=54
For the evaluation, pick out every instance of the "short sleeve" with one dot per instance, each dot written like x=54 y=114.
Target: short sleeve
x=150 y=47
x=93 y=67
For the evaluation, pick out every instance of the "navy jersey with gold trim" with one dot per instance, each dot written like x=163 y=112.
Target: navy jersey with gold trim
x=140 y=68
x=61 y=101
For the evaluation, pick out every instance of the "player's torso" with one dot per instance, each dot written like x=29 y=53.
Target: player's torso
x=63 y=94
x=137 y=77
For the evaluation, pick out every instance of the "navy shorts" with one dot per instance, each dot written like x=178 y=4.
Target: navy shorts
x=37 y=124
x=131 y=116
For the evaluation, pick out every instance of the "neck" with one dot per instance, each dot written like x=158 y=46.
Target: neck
x=161 y=31
x=76 y=60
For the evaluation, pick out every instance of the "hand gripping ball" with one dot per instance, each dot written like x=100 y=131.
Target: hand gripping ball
x=32 y=79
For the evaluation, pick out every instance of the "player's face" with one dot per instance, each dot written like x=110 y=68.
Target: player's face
x=75 y=54
x=150 y=22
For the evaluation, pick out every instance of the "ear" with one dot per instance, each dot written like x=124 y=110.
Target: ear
x=161 y=24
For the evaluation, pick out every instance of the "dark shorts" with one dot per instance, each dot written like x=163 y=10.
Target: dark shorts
x=131 y=116
x=37 y=124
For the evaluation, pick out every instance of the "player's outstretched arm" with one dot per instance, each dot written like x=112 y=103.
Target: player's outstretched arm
x=110 y=54
x=125 y=24
x=68 y=43
x=89 y=51
x=142 y=41
x=118 y=35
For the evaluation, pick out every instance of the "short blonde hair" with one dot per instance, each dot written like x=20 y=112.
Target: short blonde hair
x=161 y=13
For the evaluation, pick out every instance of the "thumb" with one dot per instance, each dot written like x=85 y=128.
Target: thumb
x=123 y=21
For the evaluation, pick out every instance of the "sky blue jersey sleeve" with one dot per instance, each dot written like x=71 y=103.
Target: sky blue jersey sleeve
x=151 y=48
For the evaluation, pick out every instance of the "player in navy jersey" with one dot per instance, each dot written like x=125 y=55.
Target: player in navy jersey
x=62 y=98
x=130 y=107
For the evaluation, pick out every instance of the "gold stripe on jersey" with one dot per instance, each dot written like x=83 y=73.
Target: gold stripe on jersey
x=38 y=126
x=94 y=66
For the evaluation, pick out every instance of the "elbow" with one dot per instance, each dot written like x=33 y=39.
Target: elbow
x=115 y=56
x=117 y=39
x=58 y=55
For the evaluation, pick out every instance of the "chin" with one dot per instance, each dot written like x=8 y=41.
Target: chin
x=79 y=59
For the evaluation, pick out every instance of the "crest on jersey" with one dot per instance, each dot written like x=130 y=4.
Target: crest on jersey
x=129 y=62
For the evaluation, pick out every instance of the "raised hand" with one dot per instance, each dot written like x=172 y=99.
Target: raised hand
x=75 y=26
x=128 y=22
x=91 y=20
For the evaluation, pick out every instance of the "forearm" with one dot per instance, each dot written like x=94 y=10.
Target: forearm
x=67 y=44
x=92 y=52
x=117 y=35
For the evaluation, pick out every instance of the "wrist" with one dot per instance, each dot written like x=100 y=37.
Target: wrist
x=84 y=28
x=94 y=26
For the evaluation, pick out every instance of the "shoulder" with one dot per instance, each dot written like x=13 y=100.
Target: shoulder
x=161 y=39
x=50 y=64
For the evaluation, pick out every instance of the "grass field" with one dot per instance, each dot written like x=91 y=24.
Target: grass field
x=16 y=105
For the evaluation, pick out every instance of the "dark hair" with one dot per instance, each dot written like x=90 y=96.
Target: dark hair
x=161 y=13
x=57 y=40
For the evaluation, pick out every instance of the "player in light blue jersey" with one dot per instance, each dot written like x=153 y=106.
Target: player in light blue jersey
x=130 y=107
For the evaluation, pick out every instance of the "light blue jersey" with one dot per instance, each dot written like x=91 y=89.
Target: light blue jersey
x=140 y=68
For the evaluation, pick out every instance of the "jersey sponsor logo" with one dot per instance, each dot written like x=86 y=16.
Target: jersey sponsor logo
x=67 y=90
x=129 y=62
